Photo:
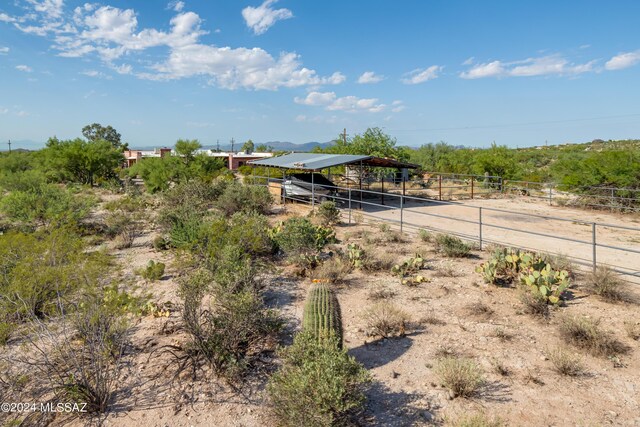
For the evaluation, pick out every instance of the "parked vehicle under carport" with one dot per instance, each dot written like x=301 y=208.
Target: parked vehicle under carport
x=299 y=186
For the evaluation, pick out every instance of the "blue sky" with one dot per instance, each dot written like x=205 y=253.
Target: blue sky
x=466 y=72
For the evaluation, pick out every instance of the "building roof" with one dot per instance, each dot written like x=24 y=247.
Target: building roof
x=318 y=161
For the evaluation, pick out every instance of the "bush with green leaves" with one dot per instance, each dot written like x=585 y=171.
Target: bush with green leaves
x=234 y=270
x=452 y=246
x=299 y=236
x=328 y=213
x=153 y=271
x=319 y=384
x=36 y=270
x=237 y=197
x=230 y=333
x=47 y=204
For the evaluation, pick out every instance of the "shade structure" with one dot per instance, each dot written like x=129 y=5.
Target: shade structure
x=319 y=161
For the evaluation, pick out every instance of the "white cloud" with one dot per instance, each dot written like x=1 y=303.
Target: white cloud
x=24 y=68
x=111 y=33
x=4 y=50
x=263 y=17
x=420 y=75
x=331 y=102
x=22 y=113
x=4 y=110
x=96 y=74
x=397 y=106
x=370 y=77
x=6 y=18
x=623 y=60
x=176 y=6
x=541 y=66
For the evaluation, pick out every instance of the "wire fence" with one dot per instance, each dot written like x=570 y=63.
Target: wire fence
x=584 y=242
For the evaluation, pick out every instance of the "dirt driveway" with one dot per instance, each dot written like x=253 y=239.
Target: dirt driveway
x=520 y=223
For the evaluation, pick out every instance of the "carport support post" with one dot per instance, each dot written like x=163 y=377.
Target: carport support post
x=480 y=225
x=349 y=205
x=594 y=244
x=282 y=190
x=382 y=191
x=439 y=187
x=313 y=191
x=550 y=195
x=401 y=212
x=268 y=176
x=253 y=174
x=360 y=184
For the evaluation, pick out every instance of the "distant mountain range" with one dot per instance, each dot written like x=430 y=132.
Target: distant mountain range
x=277 y=146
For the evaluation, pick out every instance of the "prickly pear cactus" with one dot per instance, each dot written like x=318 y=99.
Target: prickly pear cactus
x=321 y=314
x=547 y=282
x=355 y=254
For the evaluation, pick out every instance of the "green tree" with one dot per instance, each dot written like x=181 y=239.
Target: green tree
x=248 y=146
x=97 y=132
x=373 y=142
x=264 y=148
x=81 y=161
x=187 y=148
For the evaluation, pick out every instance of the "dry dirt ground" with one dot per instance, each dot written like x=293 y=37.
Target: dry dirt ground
x=406 y=390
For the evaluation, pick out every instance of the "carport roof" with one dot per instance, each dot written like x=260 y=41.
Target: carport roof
x=318 y=161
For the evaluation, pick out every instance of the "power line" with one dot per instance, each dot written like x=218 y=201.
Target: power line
x=515 y=124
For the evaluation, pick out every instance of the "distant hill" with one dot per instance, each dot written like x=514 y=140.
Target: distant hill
x=277 y=146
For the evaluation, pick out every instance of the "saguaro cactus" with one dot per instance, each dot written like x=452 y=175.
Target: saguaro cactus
x=322 y=312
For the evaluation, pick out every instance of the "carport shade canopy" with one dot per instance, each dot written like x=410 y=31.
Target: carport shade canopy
x=318 y=161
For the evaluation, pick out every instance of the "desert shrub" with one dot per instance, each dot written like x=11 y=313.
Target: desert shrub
x=533 y=302
x=446 y=269
x=452 y=246
x=47 y=204
x=298 y=236
x=477 y=420
x=565 y=363
x=328 y=213
x=584 y=332
x=607 y=285
x=633 y=330
x=5 y=332
x=479 y=308
x=319 y=384
x=462 y=377
x=153 y=271
x=234 y=270
x=36 y=270
x=380 y=261
x=500 y=368
x=160 y=243
x=244 y=198
x=380 y=292
x=425 y=236
x=78 y=358
x=128 y=203
x=197 y=194
x=230 y=334
x=250 y=231
x=386 y=320
x=332 y=270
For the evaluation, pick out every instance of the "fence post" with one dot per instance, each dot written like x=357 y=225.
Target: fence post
x=349 y=205
x=313 y=192
x=594 y=244
x=401 y=211
x=282 y=190
x=480 y=226
x=550 y=195
x=472 y=188
x=439 y=187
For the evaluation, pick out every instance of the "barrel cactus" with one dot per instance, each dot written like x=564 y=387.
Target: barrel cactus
x=321 y=314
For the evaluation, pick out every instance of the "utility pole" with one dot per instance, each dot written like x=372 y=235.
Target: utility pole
x=217 y=145
x=9 y=146
x=232 y=145
x=344 y=136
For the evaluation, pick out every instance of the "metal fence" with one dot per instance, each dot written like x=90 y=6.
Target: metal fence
x=586 y=243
